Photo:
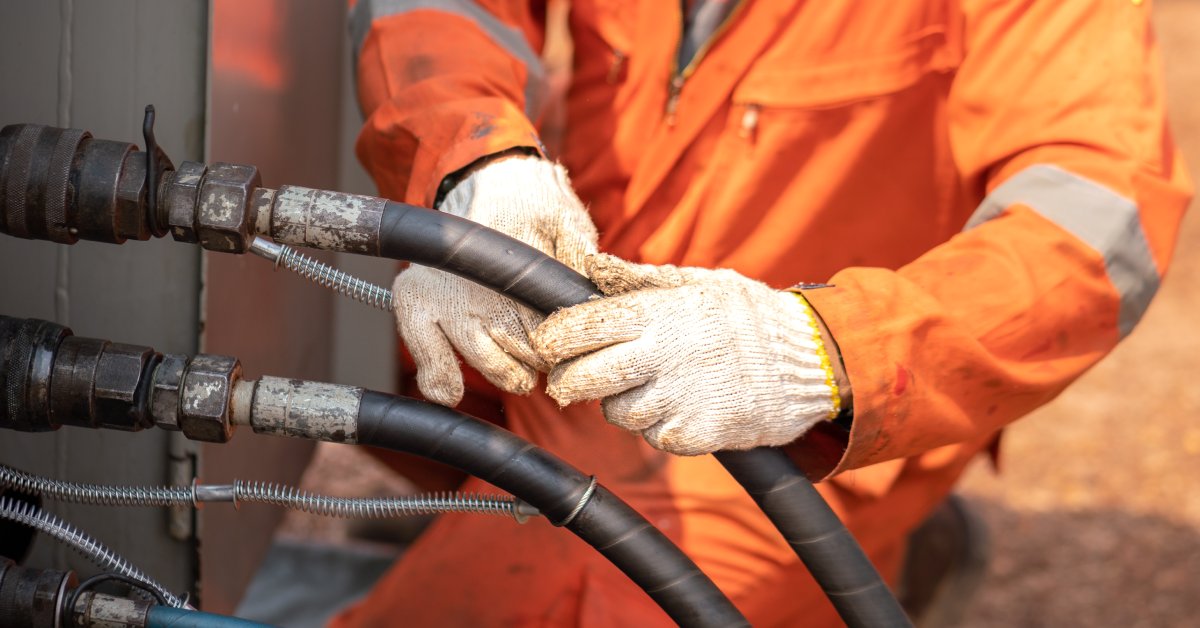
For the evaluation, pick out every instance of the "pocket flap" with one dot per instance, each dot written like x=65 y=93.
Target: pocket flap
x=839 y=81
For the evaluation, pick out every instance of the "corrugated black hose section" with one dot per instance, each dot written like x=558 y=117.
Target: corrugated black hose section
x=786 y=496
x=555 y=488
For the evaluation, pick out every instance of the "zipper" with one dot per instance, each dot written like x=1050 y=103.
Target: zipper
x=617 y=65
x=673 y=91
x=679 y=77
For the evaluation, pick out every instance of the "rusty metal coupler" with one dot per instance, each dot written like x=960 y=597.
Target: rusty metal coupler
x=50 y=378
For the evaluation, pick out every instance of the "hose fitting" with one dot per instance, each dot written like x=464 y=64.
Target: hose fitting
x=62 y=185
x=50 y=378
x=81 y=542
x=32 y=597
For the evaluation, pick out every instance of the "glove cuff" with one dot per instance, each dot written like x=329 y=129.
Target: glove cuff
x=805 y=363
x=822 y=354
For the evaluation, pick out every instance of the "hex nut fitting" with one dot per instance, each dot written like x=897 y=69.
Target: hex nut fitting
x=181 y=196
x=118 y=375
x=205 y=396
x=164 y=396
x=131 y=193
x=72 y=381
x=226 y=215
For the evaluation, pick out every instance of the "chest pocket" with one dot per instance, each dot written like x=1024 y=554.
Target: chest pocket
x=838 y=57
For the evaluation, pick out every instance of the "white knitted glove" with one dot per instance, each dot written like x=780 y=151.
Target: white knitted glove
x=531 y=200
x=695 y=360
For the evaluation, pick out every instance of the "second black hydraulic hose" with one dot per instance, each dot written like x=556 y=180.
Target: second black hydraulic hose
x=786 y=496
x=562 y=493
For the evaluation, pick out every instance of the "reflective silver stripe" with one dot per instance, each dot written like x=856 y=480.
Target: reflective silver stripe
x=511 y=39
x=1105 y=220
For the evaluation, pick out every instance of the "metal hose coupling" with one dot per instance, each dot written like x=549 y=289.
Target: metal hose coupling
x=97 y=552
x=63 y=185
x=50 y=378
x=33 y=597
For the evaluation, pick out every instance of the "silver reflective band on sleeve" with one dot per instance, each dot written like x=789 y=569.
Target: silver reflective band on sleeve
x=365 y=12
x=1105 y=220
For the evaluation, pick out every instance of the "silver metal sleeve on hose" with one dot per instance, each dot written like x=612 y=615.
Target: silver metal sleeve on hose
x=303 y=409
x=97 y=610
x=320 y=219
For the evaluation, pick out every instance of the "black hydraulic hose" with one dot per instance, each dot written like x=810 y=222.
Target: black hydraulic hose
x=826 y=547
x=562 y=493
x=784 y=493
x=487 y=257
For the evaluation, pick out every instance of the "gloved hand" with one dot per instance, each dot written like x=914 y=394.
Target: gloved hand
x=531 y=200
x=695 y=360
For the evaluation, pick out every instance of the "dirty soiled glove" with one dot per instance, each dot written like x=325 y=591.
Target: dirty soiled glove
x=695 y=360
x=531 y=200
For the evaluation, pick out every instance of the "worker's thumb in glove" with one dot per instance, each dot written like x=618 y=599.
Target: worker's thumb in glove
x=614 y=275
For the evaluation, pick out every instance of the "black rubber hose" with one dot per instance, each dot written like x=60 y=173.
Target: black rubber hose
x=818 y=537
x=557 y=489
x=489 y=258
x=784 y=493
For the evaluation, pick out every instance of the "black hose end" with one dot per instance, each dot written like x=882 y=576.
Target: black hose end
x=32 y=597
x=62 y=185
x=27 y=351
x=39 y=181
x=50 y=378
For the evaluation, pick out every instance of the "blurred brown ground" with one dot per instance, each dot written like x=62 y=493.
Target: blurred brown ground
x=1095 y=518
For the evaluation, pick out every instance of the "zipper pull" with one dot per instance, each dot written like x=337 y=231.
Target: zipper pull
x=749 y=121
x=673 y=92
x=618 y=64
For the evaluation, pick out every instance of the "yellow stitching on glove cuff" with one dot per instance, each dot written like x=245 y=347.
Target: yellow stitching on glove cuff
x=826 y=365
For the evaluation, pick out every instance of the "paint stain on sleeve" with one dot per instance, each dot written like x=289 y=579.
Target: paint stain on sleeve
x=901 y=380
x=482 y=126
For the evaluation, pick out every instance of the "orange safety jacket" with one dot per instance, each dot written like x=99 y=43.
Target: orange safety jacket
x=990 y=188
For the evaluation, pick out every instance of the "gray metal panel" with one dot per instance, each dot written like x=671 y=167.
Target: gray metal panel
x=283 y=116
x=117 y=56
x=364 y=347
x=29 y=59
x=275 y=76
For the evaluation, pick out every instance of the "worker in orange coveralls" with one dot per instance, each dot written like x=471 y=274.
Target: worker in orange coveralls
x=989 y=189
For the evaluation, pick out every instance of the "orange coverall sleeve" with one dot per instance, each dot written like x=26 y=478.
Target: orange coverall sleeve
x=1057 y=118
x=442 y=84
